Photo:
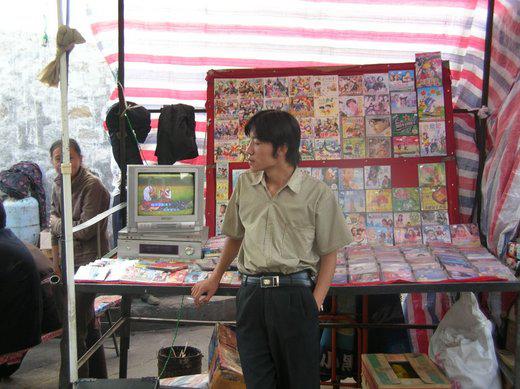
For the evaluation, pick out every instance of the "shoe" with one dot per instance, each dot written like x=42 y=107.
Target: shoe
x=150 y=299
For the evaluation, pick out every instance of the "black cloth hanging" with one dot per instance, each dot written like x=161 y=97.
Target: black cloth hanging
x=138 y=121
x=176 y=134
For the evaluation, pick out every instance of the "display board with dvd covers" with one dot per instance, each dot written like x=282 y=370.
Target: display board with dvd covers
x=381 y=136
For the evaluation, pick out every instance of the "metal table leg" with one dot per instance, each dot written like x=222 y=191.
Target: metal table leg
x=126 y=304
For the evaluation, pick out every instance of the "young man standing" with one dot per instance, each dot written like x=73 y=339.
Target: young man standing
x=286 y=228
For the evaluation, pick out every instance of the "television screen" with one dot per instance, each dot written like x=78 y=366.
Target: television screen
x=165 y=194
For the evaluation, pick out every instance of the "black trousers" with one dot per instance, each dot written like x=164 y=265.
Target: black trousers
x=278 y=337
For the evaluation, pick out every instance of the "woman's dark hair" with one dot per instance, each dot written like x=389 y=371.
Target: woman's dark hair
x=278 y=128
x=73 y=144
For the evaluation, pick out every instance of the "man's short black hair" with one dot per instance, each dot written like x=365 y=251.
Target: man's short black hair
x=73 y=144
x=278 y=128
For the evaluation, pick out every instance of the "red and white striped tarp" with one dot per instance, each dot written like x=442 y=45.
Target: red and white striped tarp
x=169 y=47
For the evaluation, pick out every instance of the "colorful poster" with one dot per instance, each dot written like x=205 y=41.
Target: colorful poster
x=406 y=199
x=326 y=127
x=302 y=106
x=430 y=102
x=378 y=125
x=432 y=218
x=407 y=219
x=375 y=83
x=404 y=124
x=428 y=69
x=324 y=85
x=432 y=138
x=250 y=88
x=354 y=148
x=401 y=80
x=352 y=201
x=406 y=146
x=225 y=88
x=351 y=179
x=434 y=198
x=379 y=200
x=379 y=147
x=378 y=177
x=350 y=85
x=380 y=219
x=432 y=174
x=276 y=87
x=408 y=235
x=300 y=86
x=326 y=106
x=352 y=127
x=327 y=148
x=307 y=149
x=376 y=104
x=403 y=102
x=351 y=105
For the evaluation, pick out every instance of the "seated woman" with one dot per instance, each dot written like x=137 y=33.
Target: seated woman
x=89 y=198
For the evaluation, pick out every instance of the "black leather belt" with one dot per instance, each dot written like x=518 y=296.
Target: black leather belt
x=274 y=281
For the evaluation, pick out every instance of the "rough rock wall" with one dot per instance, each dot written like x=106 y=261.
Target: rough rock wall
x=30 y=112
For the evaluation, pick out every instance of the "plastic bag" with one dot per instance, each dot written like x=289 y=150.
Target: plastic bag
x=462 y=346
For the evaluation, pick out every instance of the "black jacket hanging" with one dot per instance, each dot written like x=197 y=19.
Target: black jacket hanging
x=176 y=134
x=139 y=122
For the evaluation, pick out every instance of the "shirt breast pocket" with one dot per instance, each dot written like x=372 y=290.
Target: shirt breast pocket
x=297 y=241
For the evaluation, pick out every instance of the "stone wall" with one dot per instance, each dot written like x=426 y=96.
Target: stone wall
x=30 y=112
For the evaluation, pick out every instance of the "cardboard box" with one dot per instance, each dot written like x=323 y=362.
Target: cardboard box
x=225 y=371
x=411 y=371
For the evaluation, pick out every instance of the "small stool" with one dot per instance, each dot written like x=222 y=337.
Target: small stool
x=102 y=305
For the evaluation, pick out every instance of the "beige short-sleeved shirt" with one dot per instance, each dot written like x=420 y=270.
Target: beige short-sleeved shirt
x=288 y=232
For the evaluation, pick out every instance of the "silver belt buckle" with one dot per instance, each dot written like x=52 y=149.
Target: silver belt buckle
x=269 y=281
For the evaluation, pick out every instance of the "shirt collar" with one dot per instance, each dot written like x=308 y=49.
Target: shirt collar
x=294 y=183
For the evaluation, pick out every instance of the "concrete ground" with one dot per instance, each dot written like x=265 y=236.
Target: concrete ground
x=39 y=369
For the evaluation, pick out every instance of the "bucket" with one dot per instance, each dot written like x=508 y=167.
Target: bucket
x=174 y=366
x=23 y=218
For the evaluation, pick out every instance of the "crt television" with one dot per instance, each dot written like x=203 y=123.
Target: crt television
x=165 y=197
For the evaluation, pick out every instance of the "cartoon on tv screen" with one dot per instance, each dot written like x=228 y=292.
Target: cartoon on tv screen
x=166 y=194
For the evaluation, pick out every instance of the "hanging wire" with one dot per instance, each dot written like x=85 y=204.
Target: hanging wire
x=179 y=313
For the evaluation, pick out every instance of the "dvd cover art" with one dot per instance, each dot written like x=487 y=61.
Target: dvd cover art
x=438 y=233
x=378 y=177
x=306 y=128
x=380 y=235
x=434 y=198
x=378 y=126
x=432 y=174
x=250 y=88
x=231 y=151
x=302 y=106
x=330 y=177
x=406 y=146
x=280 y=104
x=328 y=148
x=225 y=89
x=430 y=102
x=325 y=85
x=222 y=190
x=351 y=179
x=226 y=130
x=379 y=200
x=226 y=109
x=380 y=219
x=428 y=69
x=317 y=173
x=406 y=199
x=340 y=276
x=352 y=201
x=307 y=149
x=403 y=102
x=379 y=147
x=432 y=138
x=433 y=218
x=300 y=86
x=375 y=83
x=350 y=85
x=359 y=234
x=376 y=104
x=276 y=87
x=364 y=278
x=400 y=80
x=326 y=127
x=326 y=107
x=407 y=219
x=354 y=148
x=351 y=105
x=408 y=235
x=465 y=234
x=405 y=124
x=248 y=107
x=430 y=275
x=195 y=276
x=355 y=219
x=352 y=127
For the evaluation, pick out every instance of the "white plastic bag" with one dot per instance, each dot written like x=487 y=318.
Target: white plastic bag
x=462 y=346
